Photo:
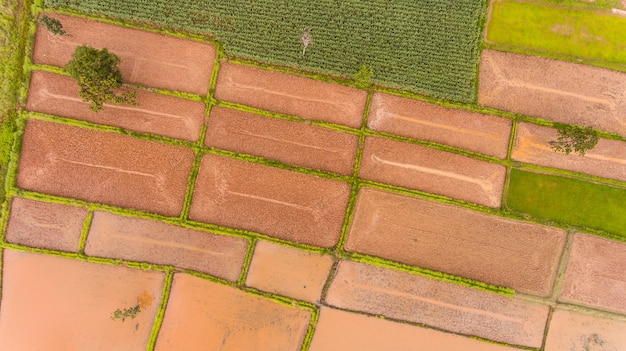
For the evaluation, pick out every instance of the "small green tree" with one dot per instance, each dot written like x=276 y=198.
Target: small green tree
x=574 y=138
x=52 y=24
x=97 y=75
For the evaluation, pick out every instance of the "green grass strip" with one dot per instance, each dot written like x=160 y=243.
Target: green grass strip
x=428 y=47
x=83 y=234
x=246 y=262
x=156 y=328
x=315 y=316
x=597 y=37
x=567 y=200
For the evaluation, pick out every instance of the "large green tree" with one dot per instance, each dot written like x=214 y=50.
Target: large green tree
x=97 y=75
x=574 y=138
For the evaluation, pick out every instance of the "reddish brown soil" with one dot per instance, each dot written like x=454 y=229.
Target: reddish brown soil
x=472 y=131
x=595 y=274
x=555 y=90
x=59 y=304
x=463 y=310
x=203 y=315
x=456 y=240
x=288 y=271
x=104 y=167
x=292 y=95
x=344 y=331
x=149 y=59
x=39 y=224
x=155 y=113
x=438 y=172
x=289 y=142
x=288 y=205
x=144 y=240
x=607 y=159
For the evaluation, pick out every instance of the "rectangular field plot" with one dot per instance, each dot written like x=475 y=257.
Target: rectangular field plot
x=568 y=200
x=429 y=47
x=591 y=35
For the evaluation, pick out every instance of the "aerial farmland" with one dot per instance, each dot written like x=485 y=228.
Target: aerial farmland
x=313 y=175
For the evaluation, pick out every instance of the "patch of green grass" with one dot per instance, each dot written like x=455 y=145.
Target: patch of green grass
x=428 y=47
x=597 y=37
x=567 y=200
x=597 y=4
x=13 y=33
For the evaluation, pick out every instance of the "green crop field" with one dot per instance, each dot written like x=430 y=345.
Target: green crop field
x=567 y=200
x=428 y=47
x=595 y=36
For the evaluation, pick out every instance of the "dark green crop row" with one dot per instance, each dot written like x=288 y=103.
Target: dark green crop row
x=428 y=47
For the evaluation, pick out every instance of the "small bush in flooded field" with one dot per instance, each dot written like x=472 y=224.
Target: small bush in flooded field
x=52 y=24
x=97 y=75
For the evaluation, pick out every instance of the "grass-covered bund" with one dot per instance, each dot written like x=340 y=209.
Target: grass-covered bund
x=568 y=200
x=428 y=47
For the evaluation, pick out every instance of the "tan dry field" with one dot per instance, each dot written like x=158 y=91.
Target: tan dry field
x=421 y=120
x=451 y=307
x=103 y=167
x=554 y=90
x=293 y=206
x=433 y=171
x=456 y=240
x=159 y=114
x=292 y=95
x=607 y=159
x=289 y=142
x=147 y=58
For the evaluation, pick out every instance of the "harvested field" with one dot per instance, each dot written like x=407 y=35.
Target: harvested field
x=455 y=240
x=448 y=306
x=607 y=159
x=147 y=58
x=155 y=113
x=438 y=172
x=143 y=240
x=421 y=120
x=104 y=167
x=557 y=91
x=277 y=202
x=289 y=142
x=299 y=96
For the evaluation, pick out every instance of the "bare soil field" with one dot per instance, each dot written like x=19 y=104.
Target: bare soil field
x=289 y=142
x=555 y=90
x=456 y=240
x=159 y=114
x=607 y=159
x=147 y=58
x=104 y=167
x=421 y=120
x=410 y=297
x=434 y=171
x=288 y=205
x=292 y=95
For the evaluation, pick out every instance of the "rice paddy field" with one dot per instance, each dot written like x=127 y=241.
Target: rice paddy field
x=428 y=47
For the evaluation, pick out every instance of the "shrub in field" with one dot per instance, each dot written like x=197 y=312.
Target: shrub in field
x=52 y=24
x=574 y=138
x=97 y=75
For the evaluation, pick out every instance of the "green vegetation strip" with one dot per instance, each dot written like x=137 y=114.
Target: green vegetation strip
x=597 y=37
x=568 y=200
x=430 y=47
